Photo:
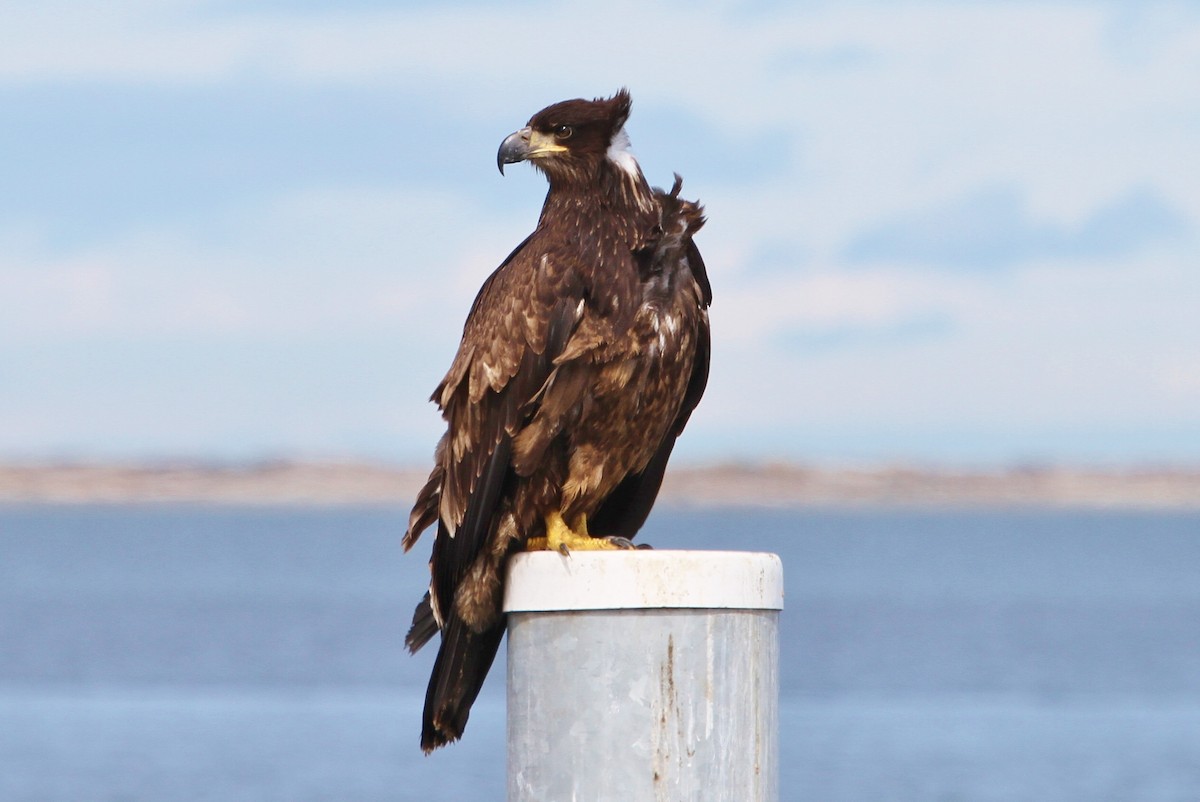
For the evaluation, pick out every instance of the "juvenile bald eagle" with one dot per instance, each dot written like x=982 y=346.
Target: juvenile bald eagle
x=581 y=360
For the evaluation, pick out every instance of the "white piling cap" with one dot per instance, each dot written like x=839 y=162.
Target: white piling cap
x=540 y=581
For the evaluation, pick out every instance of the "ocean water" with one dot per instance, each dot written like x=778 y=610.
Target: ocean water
x=200 y=653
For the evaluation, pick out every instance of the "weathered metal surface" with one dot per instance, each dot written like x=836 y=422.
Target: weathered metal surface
x=664 y=703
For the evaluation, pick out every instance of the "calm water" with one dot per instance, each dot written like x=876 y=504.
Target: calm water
x=188 y=653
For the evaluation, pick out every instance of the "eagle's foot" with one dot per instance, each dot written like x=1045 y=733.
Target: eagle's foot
x=562 y=538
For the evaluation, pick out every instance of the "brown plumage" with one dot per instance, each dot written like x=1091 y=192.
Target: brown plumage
x=581 y=360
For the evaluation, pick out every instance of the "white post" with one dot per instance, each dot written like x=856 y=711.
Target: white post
x=643 y=675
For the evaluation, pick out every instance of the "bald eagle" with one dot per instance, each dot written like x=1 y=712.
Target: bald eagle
x=581 y=360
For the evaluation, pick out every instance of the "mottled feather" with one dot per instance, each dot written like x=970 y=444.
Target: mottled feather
x=581 y=360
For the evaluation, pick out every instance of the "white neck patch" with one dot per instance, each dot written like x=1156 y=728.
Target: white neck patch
x=620 y=154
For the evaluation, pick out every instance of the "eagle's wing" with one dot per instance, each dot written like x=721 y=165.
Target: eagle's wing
x=520 y=321
x=625 y=510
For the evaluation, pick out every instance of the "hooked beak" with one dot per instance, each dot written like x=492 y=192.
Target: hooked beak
x=526 y=144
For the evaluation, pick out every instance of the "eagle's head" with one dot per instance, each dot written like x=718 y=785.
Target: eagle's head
x=573 y=142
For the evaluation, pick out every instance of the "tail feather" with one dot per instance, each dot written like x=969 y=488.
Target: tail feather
x=425 y=510
x=462 y=664
x=424 y=626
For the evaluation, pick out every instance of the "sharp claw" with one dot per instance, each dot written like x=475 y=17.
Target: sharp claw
x=621 y=542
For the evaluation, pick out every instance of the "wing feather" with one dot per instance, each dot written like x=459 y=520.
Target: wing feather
x=524 y=315
x=523 y=372
x=627 y=507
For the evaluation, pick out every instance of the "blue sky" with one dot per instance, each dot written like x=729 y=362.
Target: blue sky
x=942 y=232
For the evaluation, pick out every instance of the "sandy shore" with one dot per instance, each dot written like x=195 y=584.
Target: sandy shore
x=331 y=483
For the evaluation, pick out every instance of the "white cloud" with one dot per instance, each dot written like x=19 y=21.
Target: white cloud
x=1178 y=377
x=1109 y=345
x=883 y=109
x=334 y=261
x=133 y=40
x=942 y=95
x=757 y=312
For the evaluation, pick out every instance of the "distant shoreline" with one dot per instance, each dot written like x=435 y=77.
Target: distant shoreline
x=353 y=483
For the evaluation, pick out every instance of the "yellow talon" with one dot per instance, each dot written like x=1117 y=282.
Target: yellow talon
x=562 y=538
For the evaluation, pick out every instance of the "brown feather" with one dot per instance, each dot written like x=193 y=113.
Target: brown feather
x=581 y=360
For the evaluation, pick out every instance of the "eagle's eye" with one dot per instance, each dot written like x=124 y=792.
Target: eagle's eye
x=563 y=132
